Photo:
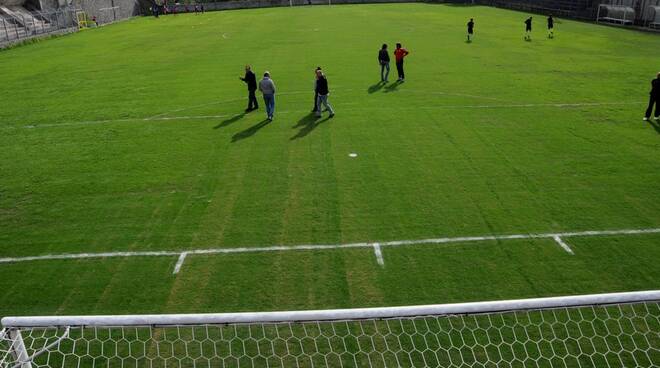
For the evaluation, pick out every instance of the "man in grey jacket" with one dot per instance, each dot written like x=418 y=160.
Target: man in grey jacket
x=267 y=87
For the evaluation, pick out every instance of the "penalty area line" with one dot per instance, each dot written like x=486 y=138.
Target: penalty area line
x=182 y=254
x=179 y=263
x=562 y=244
x=379 y=254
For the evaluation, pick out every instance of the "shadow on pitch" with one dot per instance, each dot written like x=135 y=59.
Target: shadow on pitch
x=655 y=125
x=306 y=124
x=376 y=87
x=230 y=121
x=392 y=87
x=249 y=132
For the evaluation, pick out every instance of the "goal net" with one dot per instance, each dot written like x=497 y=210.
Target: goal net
x=617 y=11
x=605 y=330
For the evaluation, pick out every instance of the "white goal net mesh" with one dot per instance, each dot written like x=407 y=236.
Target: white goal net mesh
x=623 y=334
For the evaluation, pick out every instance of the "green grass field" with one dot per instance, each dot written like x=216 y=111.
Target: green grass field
x=131 y=137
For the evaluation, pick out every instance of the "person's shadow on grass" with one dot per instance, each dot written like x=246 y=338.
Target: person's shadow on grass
x=393 y=87
x=306 y=124
x=229 y=121
x=249 y=132
x=655 y=125
x=376 y=87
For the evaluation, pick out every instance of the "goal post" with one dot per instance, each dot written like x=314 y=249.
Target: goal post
x=601 y=330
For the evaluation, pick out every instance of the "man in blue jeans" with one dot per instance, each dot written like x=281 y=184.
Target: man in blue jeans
x=316 y=95
x=323 y=91
x=267 y=87
x=384 y=61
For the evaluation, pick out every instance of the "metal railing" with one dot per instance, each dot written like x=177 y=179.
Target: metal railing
x=19 y=26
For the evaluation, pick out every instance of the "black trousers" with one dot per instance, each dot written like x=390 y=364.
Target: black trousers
x=654 y=100
x=252 y=100
x=399 y=69
x=316 y=101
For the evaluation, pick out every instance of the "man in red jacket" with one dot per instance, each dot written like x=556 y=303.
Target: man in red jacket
x=399 y=54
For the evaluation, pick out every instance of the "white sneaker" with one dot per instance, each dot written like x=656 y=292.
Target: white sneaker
x=656 y=118
x=645 y=119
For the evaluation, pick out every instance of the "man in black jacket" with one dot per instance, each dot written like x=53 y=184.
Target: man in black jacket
x=528 y=29
x=384 y=61
x=470 y=30
x=322 y=91
x=251 y=80
x=654 y=100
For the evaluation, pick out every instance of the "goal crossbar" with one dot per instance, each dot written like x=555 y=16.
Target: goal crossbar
x=336 y=314
x=600 y=330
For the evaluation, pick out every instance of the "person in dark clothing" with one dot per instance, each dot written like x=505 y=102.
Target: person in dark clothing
x=470 y=30
x=551 y=27
x=316 y=94
x=322 y=91
x=384 y=61
x=251 y=80
x=654 y=100
x=528 y=29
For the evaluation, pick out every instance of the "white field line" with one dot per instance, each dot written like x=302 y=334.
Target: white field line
x=379 y=254
x=179 y=263
x=280 y=248
x=562 y=244
x=224 y=102
x=162 y=117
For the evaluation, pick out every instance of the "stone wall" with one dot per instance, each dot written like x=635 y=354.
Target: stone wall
x=107 y=11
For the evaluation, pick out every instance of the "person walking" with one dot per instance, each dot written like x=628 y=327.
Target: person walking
x=528 y=29
x=470 y=30
x=251 y=80
x=322 y=91
x=399 y=54
x=384 y=61
x=654 y=100
x=316 y=95
x=267 y=88
x=551 y=27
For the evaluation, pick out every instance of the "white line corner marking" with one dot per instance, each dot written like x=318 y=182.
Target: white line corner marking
x=562 y=244
x=379 y=254
x=179 y=263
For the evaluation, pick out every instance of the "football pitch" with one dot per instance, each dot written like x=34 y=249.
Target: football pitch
x=133 y=182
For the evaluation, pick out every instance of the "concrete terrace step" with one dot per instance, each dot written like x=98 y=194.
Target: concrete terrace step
x=23 y=17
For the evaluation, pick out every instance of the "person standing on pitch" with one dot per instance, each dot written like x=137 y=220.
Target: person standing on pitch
x=551 y=27
x=267 y=87
x=251 y=80
x=654 y=100
x=384 y=61
x=322 y=91
x=470 y=26
x=528 y=29
x=399 y=54
x=316 y=95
